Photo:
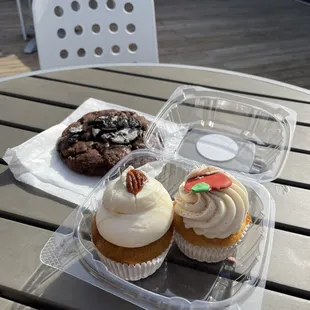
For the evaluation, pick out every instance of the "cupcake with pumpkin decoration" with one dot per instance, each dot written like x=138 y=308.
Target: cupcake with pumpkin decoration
x=211 y=214
x=132 y=229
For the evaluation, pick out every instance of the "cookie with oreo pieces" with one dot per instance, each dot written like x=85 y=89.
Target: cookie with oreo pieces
x=97 y=141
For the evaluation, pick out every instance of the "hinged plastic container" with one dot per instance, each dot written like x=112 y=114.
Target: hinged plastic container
x=251 y=139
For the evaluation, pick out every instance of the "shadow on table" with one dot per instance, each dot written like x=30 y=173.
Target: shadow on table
x=71 y=291
x=67 y=290
x=60 y=287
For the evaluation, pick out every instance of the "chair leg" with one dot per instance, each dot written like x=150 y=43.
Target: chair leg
x=21 y=19
x=31 y=46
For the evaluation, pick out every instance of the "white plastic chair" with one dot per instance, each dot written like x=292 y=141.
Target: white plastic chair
x=83 y=32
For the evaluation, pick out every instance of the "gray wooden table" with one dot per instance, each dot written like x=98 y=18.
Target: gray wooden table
x=31 y=104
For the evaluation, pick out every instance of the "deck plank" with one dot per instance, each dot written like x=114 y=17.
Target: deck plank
x=267 y=38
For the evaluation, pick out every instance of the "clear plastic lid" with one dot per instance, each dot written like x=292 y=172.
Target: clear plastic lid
x=234 y=132
x=180 y=282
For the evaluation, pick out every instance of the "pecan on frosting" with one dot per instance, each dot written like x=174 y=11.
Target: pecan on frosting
x=134 y=181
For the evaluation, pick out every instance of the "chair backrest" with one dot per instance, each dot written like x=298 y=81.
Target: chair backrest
x=80 y=32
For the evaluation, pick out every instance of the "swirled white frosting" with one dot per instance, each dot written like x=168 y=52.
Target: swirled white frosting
x=213 y=214
x=131 y=221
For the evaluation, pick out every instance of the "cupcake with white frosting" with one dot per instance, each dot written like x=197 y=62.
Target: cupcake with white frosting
x=132 y=229
x=211 y=214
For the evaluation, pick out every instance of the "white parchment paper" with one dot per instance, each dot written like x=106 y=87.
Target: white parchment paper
x=37 y=163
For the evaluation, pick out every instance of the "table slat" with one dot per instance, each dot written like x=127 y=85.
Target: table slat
x=58 y=286
x=14 y=110
x=134 y=85
x=10 y=305
x=20 y=247
x=151 y=87
x=24 y=200
x=10 y=137
x=30 y=113
x=285 y=244
x=218 y=79
x=86 y=294
x=75 y=95
x=301 y=138
x=292 y=204
x=289 y=262
x=277 y=301
x=19 y=241
x=297 y=168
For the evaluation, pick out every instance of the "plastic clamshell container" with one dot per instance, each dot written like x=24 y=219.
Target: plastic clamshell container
x=255 y=137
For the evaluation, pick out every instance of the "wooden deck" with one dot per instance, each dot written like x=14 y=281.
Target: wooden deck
x=12 y=57
x=269 y=38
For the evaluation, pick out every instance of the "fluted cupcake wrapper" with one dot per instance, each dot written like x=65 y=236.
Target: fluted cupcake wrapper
x=137 y=271
x=203 y=254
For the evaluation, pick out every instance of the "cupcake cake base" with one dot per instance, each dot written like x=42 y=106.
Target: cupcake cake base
x=137 y=271
x=207 y=250
x=207 y=255
x=132 y=264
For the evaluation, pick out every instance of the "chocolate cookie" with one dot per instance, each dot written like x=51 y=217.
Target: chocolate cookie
x=97 y=141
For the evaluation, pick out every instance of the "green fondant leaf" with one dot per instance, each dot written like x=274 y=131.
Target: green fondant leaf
x=201 y=187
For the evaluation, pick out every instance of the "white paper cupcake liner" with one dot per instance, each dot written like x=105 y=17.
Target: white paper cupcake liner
x=208 y=255
x=137 y=271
